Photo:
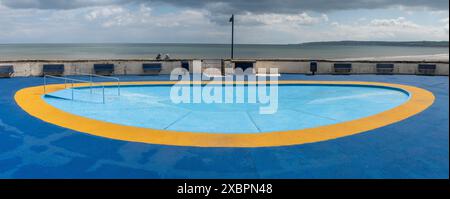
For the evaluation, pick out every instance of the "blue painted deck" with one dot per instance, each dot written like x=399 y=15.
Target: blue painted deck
x=414 y=148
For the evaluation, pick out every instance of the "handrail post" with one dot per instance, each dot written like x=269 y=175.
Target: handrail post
x=91 y=81
x=45 y=84
x=118 y=86
x=72 y=90
x=103 y=94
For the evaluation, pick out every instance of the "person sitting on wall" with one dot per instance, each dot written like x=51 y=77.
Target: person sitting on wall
x=166 y=57
x=158 y=57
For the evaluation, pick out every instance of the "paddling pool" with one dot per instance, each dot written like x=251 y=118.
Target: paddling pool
x=306 y=112
x=299 y=107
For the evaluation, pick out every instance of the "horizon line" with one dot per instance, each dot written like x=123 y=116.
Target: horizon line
x=202 y=43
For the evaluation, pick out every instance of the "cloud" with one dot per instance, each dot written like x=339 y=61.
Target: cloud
x=239 y=6
x=274 y=19
x=399 y=22
x=57 y=4
x=385 y=29
x=103 y=12
x=116 y=16
x=445 y=22
x=120 y=21
x=252 y=12
x=294 y=6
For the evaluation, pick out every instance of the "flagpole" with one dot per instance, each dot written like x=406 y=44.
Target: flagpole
x=232 y=36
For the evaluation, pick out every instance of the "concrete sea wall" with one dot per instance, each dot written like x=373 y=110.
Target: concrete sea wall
x=24 y=68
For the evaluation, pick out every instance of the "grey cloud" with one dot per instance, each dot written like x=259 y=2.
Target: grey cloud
x=219 y=10
x=57 y=4
x=239 y=6
x=294 y=6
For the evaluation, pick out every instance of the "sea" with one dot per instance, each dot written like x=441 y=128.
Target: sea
x=206 y=51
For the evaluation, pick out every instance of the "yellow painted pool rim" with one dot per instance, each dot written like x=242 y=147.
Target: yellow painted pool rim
x=30 y=99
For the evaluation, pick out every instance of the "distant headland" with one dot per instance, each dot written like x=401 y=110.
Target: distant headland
x=380 y=43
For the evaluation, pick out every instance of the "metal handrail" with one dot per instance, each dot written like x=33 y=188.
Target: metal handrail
x=72 y=83
x=102 y=76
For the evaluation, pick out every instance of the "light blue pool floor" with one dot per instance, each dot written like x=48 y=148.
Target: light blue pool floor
x=417 y=147
x=298 y=107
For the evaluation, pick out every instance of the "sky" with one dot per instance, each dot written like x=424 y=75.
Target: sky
x=206 y=21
